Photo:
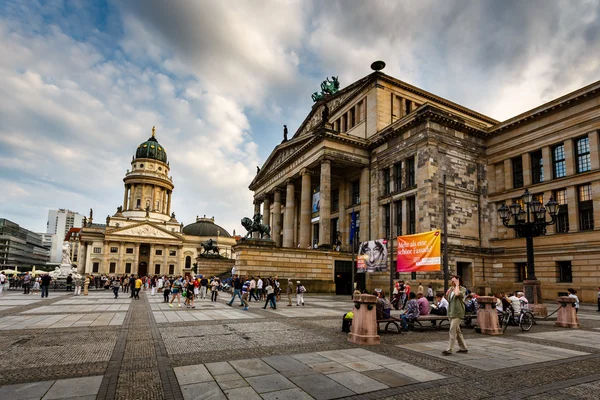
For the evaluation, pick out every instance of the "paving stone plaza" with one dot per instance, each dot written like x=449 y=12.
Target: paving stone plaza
x=98 y=347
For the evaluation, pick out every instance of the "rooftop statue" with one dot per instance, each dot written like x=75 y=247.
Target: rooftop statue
x=328 y=87
x=209 y=245
x=285 y=133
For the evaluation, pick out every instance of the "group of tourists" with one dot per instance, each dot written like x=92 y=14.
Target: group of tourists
x=29 y=283
x=248 y=288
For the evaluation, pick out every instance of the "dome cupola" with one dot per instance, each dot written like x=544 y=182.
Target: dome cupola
x=151 y=149
x=205 y=227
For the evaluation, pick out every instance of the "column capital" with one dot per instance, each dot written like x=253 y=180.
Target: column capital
x=305 y=171
x=326 y=159
x=289 y=182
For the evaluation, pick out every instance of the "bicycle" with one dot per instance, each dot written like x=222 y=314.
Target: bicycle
x=525 y=320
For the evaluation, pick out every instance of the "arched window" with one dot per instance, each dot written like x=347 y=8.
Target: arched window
x=188 y=262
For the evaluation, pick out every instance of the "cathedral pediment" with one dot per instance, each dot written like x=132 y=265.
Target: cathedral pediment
x=145 y=230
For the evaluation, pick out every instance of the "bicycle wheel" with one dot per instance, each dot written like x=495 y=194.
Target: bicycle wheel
x=505 y=319
x=526 y=321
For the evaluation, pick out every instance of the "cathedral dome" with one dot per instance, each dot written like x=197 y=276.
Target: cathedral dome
x=151 y=149
x=205 y=227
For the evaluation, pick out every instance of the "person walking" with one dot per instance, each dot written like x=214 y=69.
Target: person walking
x=259 y=289
x=290 y=291
x=245 y=294
x=190 y=293
x=116 y=285
x=132 y=286
x=252 y=290
x=138 y=287
x=456 y=313
x=214 y=289
x=153 y=285
x=70 y=283
x=166 y=287
x=300 y=289
x=176 y=292
x=26 y=283
x=270 y=295
x=237 y=290
x=203 y=287
x=3 y=281
x=77 y=282
x=46 y=279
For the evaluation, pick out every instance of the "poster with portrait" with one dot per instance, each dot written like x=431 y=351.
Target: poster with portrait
x=372 y=256
x=316 y=199
x=420 y=252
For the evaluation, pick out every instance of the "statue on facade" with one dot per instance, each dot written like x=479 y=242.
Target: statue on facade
x=254 y=225
x=66 y=254
x=107 y=219
x=257 y=170
x=209 y=245
x=328 y=87
x=285 y=133
x=84 y=222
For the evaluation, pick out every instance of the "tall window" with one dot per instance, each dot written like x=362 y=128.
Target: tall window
x=335 y=200
x=564 y=272
x=127 y=268
x=171 y=269
x=517 y=172
x=586 y=208
x=562 y=217
x=386 y=181
x=129 y=250
x=95 y=267
x=410 y=172
x=398 y=177
x=345 y=122
x=537 y=167
x=412 y=216
x=558 y=159
x=158 y=252
x=398 y=219
x=407 y=106
x=97 y=250
x=112 y=267
x=114 y=249
x=352 y=117
x=156 y=269
x=582 y=147
x=335 y=230
x=355 y=192
x=357 y=231
x=386 y=221
x=172 y=253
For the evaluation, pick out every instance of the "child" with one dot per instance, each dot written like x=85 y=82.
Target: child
x=299 y=293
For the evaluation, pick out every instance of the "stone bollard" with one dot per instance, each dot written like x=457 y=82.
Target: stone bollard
x=85 y=287
x=364 y=323
x=487 y=316
x=567 y=317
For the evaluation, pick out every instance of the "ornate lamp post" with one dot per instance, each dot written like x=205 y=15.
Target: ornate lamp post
x=529 y=223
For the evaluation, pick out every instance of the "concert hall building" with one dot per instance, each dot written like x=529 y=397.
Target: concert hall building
x=382 y=152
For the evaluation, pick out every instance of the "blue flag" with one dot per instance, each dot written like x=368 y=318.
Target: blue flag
x=352 y=227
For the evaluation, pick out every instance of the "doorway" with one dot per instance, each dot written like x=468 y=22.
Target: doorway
x=143 y=268
x=343 y=277
x=465 y=271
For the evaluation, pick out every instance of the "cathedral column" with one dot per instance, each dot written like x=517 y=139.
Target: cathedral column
x=257 y=202
x=136 y=259
x=120 y=268
x=163 y=205
x=164 y=267
x=325 y=203
x=153 y=205
x=276 y=228
x=125 y=198
x=104 y=269
x=131 y=191
x=267 y=210
x=365 y=215
x=305 y=209
x=181 y=261
x=151 y=259
x=342 y=211
x=169 y=194
x=288 y=216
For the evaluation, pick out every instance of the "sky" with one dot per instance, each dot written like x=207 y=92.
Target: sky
x=82 y=83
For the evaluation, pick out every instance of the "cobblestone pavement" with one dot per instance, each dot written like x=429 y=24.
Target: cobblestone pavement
x=98 y=347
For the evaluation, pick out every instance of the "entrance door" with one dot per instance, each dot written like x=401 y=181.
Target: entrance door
x=343 y=277
x=465 y=271
x=143 y=268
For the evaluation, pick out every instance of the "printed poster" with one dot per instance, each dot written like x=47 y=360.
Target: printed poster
x=420 y=252
x=372 y=256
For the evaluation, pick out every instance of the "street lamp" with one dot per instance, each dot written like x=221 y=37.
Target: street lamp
x=529 y=223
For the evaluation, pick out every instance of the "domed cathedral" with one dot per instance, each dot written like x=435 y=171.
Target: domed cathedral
x=144 y=237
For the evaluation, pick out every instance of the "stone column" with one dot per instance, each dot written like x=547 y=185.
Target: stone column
x=180 y=262
x=594 y=159
x=125 y=198
x=365 y=217
x=120 y=268
x=276 y=228
x=104 y=269
x=305 y=210
x=170 y=193
x=596 y=203
x=257 y=202
x=342 y=212
x=288 y=216
x=131 y=191
x=547 y=160
x=164 y=269
x=569 y=157
x=325 y=203
x=572 y=202
x=153 y=205
x=267 y=211
x=526 y=159
x=136 y=259
x=567 y=317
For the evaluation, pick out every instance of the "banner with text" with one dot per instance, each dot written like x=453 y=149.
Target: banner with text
x=420 y=252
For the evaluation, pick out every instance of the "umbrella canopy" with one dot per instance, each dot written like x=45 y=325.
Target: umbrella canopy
x=9 y=271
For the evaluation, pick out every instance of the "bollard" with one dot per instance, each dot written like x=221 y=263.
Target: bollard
x=85 y=287
x=487 y=316
x=364 y=324
x=567 y=317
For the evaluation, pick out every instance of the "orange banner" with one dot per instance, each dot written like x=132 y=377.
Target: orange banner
x=420 y=252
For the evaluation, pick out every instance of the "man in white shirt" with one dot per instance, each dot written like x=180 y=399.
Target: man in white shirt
x=515 y=303
x=259 y=288
x=2 y=282
x=252 y=290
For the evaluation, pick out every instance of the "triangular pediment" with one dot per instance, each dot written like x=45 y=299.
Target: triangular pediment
x=145 y=230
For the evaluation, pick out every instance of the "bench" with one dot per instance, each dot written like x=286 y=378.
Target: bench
x=391 y=321
x=442 y=319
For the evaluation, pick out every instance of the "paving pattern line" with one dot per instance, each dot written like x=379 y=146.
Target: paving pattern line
x=552 y=387
x=48 y=301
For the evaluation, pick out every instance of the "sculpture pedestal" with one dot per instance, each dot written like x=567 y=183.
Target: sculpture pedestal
x=567 y=317
x=86 y=285
x=533 y=293
x=487 y=316
x=364 y=323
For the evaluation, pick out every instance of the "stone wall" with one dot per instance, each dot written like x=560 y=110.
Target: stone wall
x=214 y=266
x=314 y=268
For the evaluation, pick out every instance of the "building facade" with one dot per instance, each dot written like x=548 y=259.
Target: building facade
x=20 y=247
x=380 y=148
x=59 y=223
x=143 y=237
